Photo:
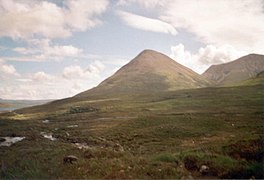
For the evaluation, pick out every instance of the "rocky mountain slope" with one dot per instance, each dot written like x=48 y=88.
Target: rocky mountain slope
x=236 y=71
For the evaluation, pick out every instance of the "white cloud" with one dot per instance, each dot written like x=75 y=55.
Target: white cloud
x=24 y=80
x=180 y=54
x=26 y=19
x=145 y=3
x=82 y=13
x=41 y=85
x=29 y=91
x=43 y=49
x=238 y=23
x=66 y=51
x=217 y=55
x=23 y=50
x=7 y=69
x=75 y=71
x=77 y=86
x=96 y=67
x=41 y=76
x=146 y=24
x=205 y=57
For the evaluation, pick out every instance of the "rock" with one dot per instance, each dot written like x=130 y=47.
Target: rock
x=2 y=140
x=204 y=169
x=48 y=136
x=72 y=126
x=122 y=171
x=82 y=146
x=10 y=140
x=70 y=159
x=118 y=147
x=45 y=121
x=102 y=139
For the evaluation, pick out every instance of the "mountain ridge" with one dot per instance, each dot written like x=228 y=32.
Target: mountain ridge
x=241 y=69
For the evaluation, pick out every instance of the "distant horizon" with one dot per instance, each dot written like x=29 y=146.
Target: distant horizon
x=77 y=44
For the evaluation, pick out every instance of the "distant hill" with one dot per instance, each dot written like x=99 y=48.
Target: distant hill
x=236 y=71
x=148 y=72
x=2 y=104
x=6 y=105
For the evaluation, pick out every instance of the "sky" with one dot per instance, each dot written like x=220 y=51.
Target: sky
x=52 y=49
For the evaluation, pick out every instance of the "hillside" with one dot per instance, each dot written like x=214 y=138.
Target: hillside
x=258 y=80
x=150 y=71
x=236 y=71
x=167 y=135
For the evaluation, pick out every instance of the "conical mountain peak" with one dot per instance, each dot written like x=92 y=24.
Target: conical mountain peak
x=151 y=55
x=148 y=54
x=149 y=71
x=150 y=60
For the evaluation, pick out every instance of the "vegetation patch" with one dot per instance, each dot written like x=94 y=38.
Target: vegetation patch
x=25 y=168
x=165 y=157
x=251 y=150
x=81 y=109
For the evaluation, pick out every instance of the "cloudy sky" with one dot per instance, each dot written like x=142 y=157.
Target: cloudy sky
x=53 y=49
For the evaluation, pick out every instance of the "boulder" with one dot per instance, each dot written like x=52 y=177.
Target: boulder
x=70 y=159
x=204 y=169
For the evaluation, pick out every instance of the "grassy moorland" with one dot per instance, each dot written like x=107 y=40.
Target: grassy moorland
x=164 y=135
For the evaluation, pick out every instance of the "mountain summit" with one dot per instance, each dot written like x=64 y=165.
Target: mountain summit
x=150 y=71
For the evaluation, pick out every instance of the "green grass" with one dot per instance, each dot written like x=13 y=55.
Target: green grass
x=165 y=157
x=159 y=133
x=25 y=168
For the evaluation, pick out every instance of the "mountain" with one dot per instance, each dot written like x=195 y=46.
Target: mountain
x=236 y=71
x=148 y=72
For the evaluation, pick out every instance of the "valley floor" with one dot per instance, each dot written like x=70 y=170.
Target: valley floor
x=200 y=133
